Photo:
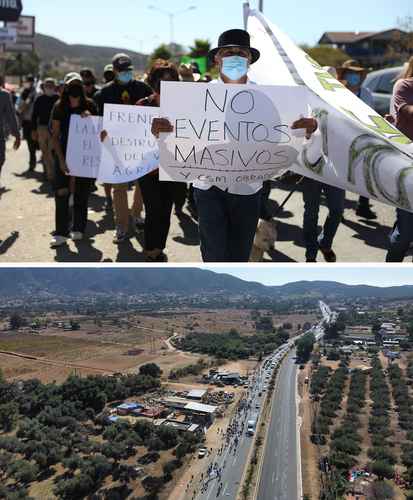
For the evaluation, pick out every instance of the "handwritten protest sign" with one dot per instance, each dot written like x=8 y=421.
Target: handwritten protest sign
x=130 y=150
x=229 y=134
x=361 y=151
x=84 y=147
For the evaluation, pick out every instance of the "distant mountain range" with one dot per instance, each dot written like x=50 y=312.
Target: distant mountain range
x=56 y=53
x=79 y=281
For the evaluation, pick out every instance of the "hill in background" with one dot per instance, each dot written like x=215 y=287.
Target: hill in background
x=65 y=57
x=81 y=281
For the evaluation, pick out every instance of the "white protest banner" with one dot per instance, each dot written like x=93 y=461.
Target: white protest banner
x=130 y=150
x=361 y=151
x=84 y=146
x=229 y=134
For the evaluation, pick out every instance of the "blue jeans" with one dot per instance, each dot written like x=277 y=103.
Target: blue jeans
x=312 y=191
x=227 y=224
x=2 y=152
x=400 y=237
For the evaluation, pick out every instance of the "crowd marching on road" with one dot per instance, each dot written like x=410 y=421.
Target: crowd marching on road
x=225 y=466
x=227 y=215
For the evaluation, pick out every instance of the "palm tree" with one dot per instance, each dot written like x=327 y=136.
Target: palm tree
x=201 y=48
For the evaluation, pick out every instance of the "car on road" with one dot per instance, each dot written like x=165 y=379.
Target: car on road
x=381 y=83
x=251 y=426
x=257 y=406
x=202 y=452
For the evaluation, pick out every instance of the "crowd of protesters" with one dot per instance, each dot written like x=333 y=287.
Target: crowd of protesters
x=227 y=215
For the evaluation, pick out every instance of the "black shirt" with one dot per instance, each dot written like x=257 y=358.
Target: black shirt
x=64 y=118
x=42 y=110
x=115 y=93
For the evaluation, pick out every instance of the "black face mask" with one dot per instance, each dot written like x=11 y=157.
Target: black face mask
x=75 y=91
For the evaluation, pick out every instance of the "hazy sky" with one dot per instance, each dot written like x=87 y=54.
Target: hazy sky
x=132 y=25
x=377 y=276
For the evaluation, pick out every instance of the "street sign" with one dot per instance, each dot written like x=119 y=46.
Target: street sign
x=25 y=26
x=10 y=10
x=19 y=47
x=8 y=35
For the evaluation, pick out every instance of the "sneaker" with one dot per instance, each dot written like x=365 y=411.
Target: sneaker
x=366 y=213
x=328 y=254
x=139 y=223
x=162 y=257
x=58 y=241
x=120 y=236
x=76 y=235
x=108 y=205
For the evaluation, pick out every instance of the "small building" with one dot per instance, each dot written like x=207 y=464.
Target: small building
x=180 y=426
x=127 y=408
x=368 y=47
x=196 y=394
x=206 y=412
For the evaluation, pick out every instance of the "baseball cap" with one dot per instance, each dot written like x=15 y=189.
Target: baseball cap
x=72 y=77
x=50 y=81
x=122 y=62
x=87 y=73
x=108 y=68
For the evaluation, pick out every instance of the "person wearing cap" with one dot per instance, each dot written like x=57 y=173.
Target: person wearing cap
x=72 y=102
x=25 y=111
x=42 y=110
x=124 y=89
x=108 y=74
x=8 y=123
x=353 y=76
x=89 y=82
x=228 y=214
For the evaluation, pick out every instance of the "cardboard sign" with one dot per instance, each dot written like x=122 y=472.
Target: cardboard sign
x=84 y=146
x=229 y=134
x=129 y=151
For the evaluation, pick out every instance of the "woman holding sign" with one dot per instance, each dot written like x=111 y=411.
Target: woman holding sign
x=72 y=101
x=158 y=197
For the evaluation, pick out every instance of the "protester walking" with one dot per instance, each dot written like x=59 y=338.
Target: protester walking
x=158 y=197
x=312 y=192
x=8 y=124
x=228 y=214
x=124 y=89
x=72 y=102
x=401 y=236
x=353 y=75
x=42 y=109
x=89 y=82
x=25 y=111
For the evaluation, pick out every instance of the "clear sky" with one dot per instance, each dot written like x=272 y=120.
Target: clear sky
x=376 y=276
x=131 y=24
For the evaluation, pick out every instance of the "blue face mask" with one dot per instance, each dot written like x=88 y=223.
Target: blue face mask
x=234 y=67
x=124 y=77
x=353 y=79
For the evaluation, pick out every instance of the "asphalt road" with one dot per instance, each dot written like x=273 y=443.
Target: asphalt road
x=27 y=219
x=279 y=473
x=234 y=459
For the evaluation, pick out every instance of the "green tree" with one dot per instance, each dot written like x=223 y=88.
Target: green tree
x=200 y=48
x=16 y=321
x=150 y=369
x=380 y=490
x=9 y=413
x=161 y=52
x=326 y=56
x=383 y=470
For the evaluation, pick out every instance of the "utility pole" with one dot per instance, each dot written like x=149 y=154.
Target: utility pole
x=261 y=6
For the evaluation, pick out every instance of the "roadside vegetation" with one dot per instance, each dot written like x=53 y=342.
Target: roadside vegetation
x=59 y=433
